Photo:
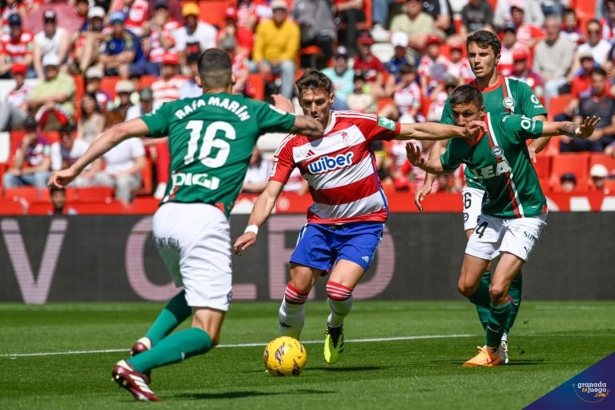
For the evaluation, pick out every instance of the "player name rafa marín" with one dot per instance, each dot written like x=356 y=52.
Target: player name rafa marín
x=239 y=110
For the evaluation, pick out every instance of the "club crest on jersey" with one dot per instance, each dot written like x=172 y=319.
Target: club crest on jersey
x=345 y=138
x=327 y=163
x=497 y=152
x=509 y=102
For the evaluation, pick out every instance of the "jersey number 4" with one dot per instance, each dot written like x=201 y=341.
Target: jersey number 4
x=208 y=142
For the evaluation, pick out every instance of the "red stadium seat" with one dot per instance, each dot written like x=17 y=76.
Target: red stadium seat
x=256 y=87
x=543 y=167
x=39 y=208
x=383 y=102
x=604 y=159
x=144 y=205
x=147 y=178
x=575 y=163
x=10 y=207
x=97 y=194
x=79 y=91
x=107 y=84
x=146 y=81
x=113 y=208
x=29 y=193
x=212 y=11
x=557 y=105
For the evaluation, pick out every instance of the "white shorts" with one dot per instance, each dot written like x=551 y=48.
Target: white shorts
x=472 y=199
x=494 y=236
x=195 y=243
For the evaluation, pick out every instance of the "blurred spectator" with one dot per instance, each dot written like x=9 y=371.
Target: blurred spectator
x=509 y=46
x=68 y=150
x=240 y=67
x=348 y=14
x=315 y=19
x=248 y=13
x=402 y=55
x=380 y=13
x=120 y=48
x=415 y=23
x=244 y=37
x=552 y=8
x=598 y=175
x=568 y=182
x=167 y=87
x=146 y=105
x=598 y=46
x=16 y=47
x=162 y=33
x=341 y=76
x=553 y=59
x=31 y=162
x=190 y=89
x=382 y=166
x=135 y=12
x=570 y=27
x=123 y=165
x=92 y=121
x=528 y=30
x=276 y=47
x=522 y=72
x=296 y=183
x=53 y=40
x=433 y=66
x=369 y=65
x=53 y=99
x=9 y=8
x=93 y=77
x=257 y=174
x=601 y=105
x=406 y=99
x=608 y=21
x=14 y=110
x=582 y=80
x=175 y=9
x=194 y=36
x=81 y=9
x=124 y=90
x=361 y=98
x=434 y=114
x=58 y=202
x=459 y=66
x=441 y=12
x=87 y=45
x=506 y=9
x=476 y=15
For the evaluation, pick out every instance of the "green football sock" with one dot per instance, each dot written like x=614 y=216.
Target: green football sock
x=497 y=321
x=173 y=314
x=514 y=291
x=481 y=297
x=483 y=308
x=173 y=349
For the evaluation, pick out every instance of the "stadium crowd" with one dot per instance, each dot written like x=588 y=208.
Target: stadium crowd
x=75 y=68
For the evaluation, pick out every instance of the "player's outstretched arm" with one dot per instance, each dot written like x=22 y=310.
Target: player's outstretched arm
x=307 y=126
x=260 y=213
x=433 y=166
x=437 y=131
x=101 y=145
x=538 y=144
x=437 y=149
x=570 y=129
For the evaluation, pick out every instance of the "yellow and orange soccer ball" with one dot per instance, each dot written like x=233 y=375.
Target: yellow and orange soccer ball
x=285 y=356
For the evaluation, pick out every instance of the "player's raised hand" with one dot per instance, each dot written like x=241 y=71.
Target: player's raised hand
x=474 y=128
x=244 y=242
x=283 y=103
x=413 y=152
x=420 y=194
x=62 y=178
x=588 y=127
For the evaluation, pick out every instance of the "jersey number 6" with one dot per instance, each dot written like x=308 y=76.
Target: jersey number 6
x=209 y=141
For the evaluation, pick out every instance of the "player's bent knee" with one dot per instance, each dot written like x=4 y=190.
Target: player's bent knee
x=497 y=292
x=465 y=288
x=210 y=321
x=338 y=292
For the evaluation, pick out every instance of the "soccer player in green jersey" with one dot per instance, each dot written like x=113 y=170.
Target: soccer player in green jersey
x=514 y=210
x=501 y=95
x=211 y=139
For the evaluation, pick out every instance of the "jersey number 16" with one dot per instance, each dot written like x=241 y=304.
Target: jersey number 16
x=209 y=141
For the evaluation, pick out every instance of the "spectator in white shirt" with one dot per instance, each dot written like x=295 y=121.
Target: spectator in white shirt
x=14 y=110
x=190 y=89
x=65 y=152
x=52 y=40
x=195 y=36
x=257 y=175
x=123 y=165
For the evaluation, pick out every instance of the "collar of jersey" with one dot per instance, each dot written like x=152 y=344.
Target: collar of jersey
x=491 y=88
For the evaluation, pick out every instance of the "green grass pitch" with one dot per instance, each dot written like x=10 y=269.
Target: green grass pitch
x=550 y=343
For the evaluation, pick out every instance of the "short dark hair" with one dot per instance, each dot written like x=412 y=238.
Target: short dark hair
x=594 y=21
x=465 y=94
x=485 y=39
x=314 y=79
x=406 y=69
x=54 y=188
x=215 y=68
x=599 y=71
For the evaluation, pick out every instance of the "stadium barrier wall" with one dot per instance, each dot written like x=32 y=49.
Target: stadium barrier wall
x=112 y=258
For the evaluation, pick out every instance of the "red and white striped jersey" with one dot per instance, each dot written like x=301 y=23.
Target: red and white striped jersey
x=507 y=64
x=17 y=51
x=136 y=14
x=408 y=98
x=426 y=68
x=168 y=32
x=165 y=91
x=340 y=168
x=461 y=69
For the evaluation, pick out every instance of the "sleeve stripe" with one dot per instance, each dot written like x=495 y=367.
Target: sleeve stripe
x=355 y=114
x=285 y=141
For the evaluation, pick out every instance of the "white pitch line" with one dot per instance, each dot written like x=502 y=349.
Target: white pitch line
x=307 y=342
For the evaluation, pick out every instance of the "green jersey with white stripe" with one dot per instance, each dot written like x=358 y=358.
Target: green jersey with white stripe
x=211 y=139
x=507 y=96
x=500 y=161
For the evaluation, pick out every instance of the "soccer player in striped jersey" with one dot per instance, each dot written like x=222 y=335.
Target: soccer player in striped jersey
x=514 y=211
x=501 y=95
x=346 y=220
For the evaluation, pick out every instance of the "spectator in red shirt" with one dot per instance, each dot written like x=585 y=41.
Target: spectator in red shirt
x=136 y=12
x=244 y=37
x=16 y=46
x=527 y=34
x=581 y=85
x=368 y=65
x=162 y=33
x=522 y=72
x=509 y=46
